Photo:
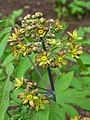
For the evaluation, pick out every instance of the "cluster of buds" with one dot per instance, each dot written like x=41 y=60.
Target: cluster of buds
x=31 y=95
x=37 y=34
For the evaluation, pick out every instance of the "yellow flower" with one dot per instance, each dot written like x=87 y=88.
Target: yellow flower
x=40 y=102
x=14 y=35
x=60 y=59
x=53 y=42
x=75 y=118
x=43 y=59
x=40 y=32
x=19 y=82
x=76 y=51
x=74 y=35
x=58 y=25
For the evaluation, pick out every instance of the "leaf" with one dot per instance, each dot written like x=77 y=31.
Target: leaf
x=85 y=42
x=22 y=67
x=76 y=83
x=42 y=115
x=64 y=81
x=5 y=98
x=85 y=57
x=15 y=94
x=82 y=66
x=70 y=110
x=5 y=31
x=85 y=80
x=3 y=44
x=76 y=97
x=9 y=69
x=14 y=15
x=56 y=113
x=8 y=59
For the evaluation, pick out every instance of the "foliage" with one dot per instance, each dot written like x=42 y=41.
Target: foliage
x=44 y=74
x=76 y=8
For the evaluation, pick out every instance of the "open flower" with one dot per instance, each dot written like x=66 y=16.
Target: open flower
x=40 y=102
x=43 y=59
x=19 y=82
x=41 y=31
x=60 y=59
x=76 y=50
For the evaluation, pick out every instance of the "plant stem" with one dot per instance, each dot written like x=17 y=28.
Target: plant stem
x=8 y=114
x=51 y=83
x=43 y=88
x=50 y=75
x=36 y=70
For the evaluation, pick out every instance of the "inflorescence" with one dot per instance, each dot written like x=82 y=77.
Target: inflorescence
x=34 y=30
x=38 y=35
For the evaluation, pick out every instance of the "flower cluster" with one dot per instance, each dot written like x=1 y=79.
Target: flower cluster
x=37 y=34
x=74 y=48
x=31 y=95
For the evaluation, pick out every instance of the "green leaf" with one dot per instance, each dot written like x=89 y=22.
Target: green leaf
x=76 y=97
x=5 y=31
x=9 y=69
x=56 y=113
x=22 y=67
x=64 y=81
x=76 y=83
x=3 y=44
x=81 y=64
x=15 y=94
x=85 y=42
x=70 y=110
x=5 y=98
x=42 y=115
x=8 y=59
x=14 y=15
x=85 y=57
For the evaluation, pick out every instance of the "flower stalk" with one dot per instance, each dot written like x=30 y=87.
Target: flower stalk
x=50 y=75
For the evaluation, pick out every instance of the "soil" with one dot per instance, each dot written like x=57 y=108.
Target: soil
x=47 y=7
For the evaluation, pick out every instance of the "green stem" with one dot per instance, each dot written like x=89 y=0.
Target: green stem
x=36 y=69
